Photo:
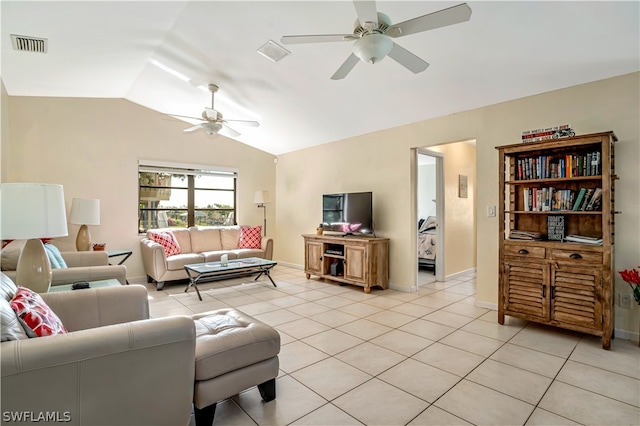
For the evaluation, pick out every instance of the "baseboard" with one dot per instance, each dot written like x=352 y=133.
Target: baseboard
x=291 y=265
x=458 y=274
x=626 y=334
x=404 y=289
x=486 y=305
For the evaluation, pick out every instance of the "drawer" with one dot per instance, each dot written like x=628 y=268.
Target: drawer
x=577 y=256
x=524 y=251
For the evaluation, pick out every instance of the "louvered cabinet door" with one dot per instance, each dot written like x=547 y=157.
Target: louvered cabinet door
x=576 y=295
x=525 y=289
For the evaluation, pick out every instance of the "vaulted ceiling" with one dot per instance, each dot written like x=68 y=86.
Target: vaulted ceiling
x=122 y=49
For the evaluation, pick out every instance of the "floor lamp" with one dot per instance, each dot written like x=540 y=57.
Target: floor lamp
x=259 y=199
x=32 y=211
x=84 y=212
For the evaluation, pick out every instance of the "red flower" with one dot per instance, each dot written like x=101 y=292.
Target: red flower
x=632 y=277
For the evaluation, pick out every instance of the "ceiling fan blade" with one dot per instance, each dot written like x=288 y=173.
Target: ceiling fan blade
x=441 y=18
x=245 y=122
x=366 y=11
x=228 y=131
x=407 y=59
x=346 y=67
x=324 y=38
x=185 y=116
x=211 y=113
x=191 y=129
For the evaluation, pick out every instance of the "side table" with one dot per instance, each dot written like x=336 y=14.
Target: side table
x=125 y=253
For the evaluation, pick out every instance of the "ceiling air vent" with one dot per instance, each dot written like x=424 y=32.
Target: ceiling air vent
x=29 y=44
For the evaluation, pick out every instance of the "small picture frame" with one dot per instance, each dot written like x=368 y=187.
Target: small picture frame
x=462 y=186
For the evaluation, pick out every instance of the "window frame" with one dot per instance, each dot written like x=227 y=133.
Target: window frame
x=190 y=172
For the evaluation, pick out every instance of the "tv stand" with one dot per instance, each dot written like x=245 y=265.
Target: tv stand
x=361 y=261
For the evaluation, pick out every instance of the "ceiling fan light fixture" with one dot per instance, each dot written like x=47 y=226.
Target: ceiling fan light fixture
x=372 y=48
x=211 y=128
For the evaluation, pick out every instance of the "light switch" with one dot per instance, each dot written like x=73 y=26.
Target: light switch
x=491 y=211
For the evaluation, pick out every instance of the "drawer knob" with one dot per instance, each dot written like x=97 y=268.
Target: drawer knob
x=575 y=256
x=523 y=251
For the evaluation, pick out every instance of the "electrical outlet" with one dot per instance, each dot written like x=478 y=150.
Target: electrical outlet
x=625 y=300
x=491 y=211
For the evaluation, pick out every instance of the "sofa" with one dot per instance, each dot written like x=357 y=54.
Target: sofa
x=115 y=366
x=81 y=266
x=196 y=244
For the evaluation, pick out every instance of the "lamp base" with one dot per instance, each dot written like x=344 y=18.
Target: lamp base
x=83 y=240
x=34 y=269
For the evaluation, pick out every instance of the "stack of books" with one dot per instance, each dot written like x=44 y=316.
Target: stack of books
x=524 y=235
x=583 y=240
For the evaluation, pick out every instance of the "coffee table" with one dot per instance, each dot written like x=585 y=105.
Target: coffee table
x=199 y=271
x=92 y=284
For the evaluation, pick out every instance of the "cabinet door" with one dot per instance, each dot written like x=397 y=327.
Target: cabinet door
x=313 y=257
x=355 y=265
x=525 y=288
x=576 y=295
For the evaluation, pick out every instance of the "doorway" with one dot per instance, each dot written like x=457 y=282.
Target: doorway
x=430 y=205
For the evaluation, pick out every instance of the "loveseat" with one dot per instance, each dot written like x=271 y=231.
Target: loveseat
x=113 y=367
x=81 y=266
x=197 y=244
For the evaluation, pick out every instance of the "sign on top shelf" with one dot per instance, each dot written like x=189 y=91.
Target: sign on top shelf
x=554 y=132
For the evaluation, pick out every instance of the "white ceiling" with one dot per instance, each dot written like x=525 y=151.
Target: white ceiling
x=506 y=51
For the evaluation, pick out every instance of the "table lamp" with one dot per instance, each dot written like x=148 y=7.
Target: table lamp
x=84 y=212
x=259 y=199
x=32 y=211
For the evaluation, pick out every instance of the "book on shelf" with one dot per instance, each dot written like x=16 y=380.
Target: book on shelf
x=595 y=198
x=524 y=235
x=579 y=198
x=581 y=239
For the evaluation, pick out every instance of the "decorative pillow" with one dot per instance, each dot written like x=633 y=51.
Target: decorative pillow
x=10 y=254
x=168 y=241
x=29 y=306
x=54 y=252
x=430 y=223
x=250 y=237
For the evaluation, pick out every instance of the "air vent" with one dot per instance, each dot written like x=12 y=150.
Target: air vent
x=29 y=44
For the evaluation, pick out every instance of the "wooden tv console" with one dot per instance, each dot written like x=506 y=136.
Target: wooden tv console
x=361 y=261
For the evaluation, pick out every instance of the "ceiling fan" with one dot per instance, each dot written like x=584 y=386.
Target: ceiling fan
x=213 y=122
x=373 y=33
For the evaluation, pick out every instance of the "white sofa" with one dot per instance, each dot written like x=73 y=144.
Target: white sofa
x=198 y=244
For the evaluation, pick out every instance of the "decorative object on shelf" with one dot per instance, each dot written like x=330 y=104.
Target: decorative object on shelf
x=99 y=247
x=32 y=211
x=555 y=227
x=463 y=183
x=259 y=199
x=555 y=132
x=84 y=212
x=319 y=230
x=632 y=277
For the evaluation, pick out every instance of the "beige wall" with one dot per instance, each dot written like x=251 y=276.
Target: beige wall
x=381 y=162
x=460 y=213
x=92 y=147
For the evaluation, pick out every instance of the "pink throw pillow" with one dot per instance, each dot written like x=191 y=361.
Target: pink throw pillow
x=168 y=242
x=250 y=237
x=29 y=306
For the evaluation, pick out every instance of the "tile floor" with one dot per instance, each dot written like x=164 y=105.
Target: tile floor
x=427 y=358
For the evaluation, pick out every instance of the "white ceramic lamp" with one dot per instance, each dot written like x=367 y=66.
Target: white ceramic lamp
x=32 y=211
x=84 y=212
x=259 y=199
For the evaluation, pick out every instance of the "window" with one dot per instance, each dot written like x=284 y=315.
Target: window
x=181 y=196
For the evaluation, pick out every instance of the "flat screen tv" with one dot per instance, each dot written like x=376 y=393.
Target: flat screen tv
x=349 y=213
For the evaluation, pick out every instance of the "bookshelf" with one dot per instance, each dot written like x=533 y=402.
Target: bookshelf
x=556 y=215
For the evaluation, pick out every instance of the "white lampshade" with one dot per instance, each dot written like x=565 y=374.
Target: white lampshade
x=261 y=197
x=85 y=211
x=32 y=211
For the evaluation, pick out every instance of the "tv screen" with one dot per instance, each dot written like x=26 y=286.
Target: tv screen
x=348 y=213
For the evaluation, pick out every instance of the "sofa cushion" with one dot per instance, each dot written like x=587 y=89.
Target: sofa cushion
x=250 y=237
x=29 y=306
x=230 y=237
x=168 y=242
x=10 y=254
x=245 y=253
x=205 y=239
x=178 y=261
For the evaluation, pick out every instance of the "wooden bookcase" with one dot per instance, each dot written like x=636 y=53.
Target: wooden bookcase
x=553 y=281
x=361 y=261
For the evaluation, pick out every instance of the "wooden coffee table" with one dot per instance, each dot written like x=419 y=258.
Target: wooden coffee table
x=199 y=271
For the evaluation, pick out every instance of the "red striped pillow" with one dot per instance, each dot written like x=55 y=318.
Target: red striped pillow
x=250 y=237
